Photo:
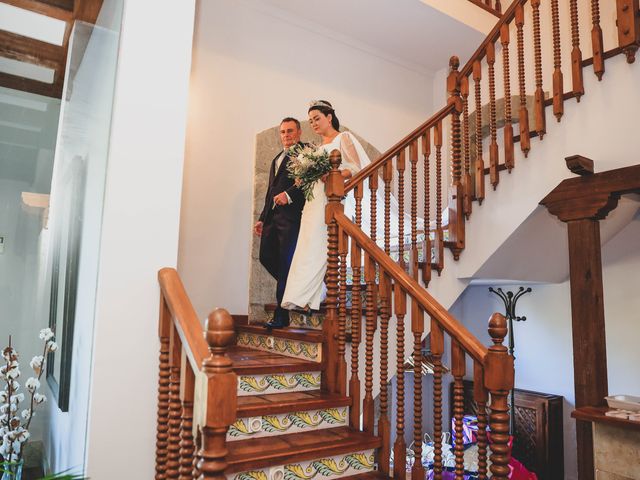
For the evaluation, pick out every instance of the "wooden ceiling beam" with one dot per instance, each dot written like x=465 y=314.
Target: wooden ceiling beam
x=30 y=50
x=23 y=84
x=60 y=9
x=87 y=10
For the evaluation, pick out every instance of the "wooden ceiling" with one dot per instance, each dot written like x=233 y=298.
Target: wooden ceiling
x=30 y=50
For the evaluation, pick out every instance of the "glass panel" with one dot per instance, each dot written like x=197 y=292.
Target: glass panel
x=76 y=205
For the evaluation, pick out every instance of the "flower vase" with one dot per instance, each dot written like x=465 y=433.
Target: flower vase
x=11 y=470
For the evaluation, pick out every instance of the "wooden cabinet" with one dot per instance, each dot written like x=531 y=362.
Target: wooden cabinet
x=538 y=430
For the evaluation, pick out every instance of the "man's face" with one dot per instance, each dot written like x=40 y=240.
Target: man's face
x=289 y=134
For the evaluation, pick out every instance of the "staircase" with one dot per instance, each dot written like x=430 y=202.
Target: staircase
x=298 y=403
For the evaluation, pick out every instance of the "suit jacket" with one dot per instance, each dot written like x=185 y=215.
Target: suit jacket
x=280 y=182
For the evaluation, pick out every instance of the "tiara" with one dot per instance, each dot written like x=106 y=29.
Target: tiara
x=320 y=103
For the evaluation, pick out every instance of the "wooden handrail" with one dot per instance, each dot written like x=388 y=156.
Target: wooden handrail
x=507 y=17
x=369 y=169
x=486 y=7
x=454 y=328
x=187 y=322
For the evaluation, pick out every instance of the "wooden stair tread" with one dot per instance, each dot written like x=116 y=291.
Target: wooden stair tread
x=302 y=334
x=376 y=475
x=247 y=361
x=275 y=403
x=297 y=447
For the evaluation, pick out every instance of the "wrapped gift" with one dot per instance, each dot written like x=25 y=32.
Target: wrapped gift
x=469 y=429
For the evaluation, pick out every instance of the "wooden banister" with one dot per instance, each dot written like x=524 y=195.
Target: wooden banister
x=187 y=321
x=398 y=147
x=493 y=7
x=194 y=365
x=454 y=328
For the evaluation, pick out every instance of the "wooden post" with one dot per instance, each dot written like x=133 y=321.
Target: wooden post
x=187 y=393
x=221 y=395
x=334 y=188
x=628 y=27
x=456 y=194
x=588 y=327
x=499 y=377
x=175 y=406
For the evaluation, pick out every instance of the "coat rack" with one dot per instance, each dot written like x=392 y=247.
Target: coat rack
x=510 y=299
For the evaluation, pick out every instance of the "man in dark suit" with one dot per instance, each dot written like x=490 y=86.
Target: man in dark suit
x=279 y=221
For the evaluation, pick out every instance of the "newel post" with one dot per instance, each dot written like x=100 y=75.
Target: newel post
x=334 y=188
x=456 y=192
x=221 y=400
x=498 y=379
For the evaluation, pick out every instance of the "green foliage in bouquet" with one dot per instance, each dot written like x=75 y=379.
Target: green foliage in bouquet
x=308 y=164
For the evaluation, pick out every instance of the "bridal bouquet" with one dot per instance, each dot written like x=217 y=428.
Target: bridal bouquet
x=307 y=165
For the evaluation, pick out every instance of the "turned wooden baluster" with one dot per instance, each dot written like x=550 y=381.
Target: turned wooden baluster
x=356 y=319
x=162 y=436
x=413 y=160
x=373 y=189
x=466 y=140
x=494 y=160
x=525 y=139
x=479 y=164
x=426 y=248
x=387 y=176
x=187 y=447
x=343 y=248
x=576 y=53
x=417 y=328
x=384 y=427
x=628 y=22
x=437 y=350
x=481 y=397
x=334 y=188
x=400 y=167
x=458 y=371
x=498 y=6
x=439 y=236
x=499 y=381
x=399 y=448
x=596 y=40
x=221 y=390
x=538 y=108
x=558 y=81
x=509 y=156
x=358 y=193
x=175 y=407
x=372 y=314
x=196 y=459
x=456 y=193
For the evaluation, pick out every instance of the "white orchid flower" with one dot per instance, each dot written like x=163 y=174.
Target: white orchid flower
x=32 y=384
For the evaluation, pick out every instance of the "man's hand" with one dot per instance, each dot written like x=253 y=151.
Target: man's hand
x=257 y=229
x=281 y=199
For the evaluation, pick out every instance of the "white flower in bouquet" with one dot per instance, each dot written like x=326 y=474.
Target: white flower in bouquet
x=26 y=414
x=39 y=398
x=13 y=373
x=17 y=398
x=308 y=165
x=52 y=346
x=32 y=384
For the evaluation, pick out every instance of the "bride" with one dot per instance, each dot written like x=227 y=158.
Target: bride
x=305 y=284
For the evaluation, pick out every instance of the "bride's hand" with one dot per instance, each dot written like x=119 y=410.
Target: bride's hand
x=324 y=177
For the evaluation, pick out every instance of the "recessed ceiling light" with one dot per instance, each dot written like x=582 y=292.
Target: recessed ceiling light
x=30 y=24
x=27 y=70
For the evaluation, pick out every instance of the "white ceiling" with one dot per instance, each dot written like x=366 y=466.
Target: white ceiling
x=405 y=31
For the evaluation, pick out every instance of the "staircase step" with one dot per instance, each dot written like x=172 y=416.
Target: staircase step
x=257 y=458
x=265 y=372
x=290 y=342
x=272 y=425
x=257 y=405
x=375 y=475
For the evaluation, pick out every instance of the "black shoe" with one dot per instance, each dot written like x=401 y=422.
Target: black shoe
x=280 y=319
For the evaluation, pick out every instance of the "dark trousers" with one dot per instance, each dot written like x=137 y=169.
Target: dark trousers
x=277 y=246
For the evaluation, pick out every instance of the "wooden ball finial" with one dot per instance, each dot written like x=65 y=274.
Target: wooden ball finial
x=335 y=158
x=497 y=328
x=219 y=330
x=454 y=63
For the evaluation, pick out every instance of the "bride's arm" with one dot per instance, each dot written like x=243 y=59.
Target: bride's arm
x=350 y=158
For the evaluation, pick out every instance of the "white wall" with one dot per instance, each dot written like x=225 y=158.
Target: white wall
x=544 y=360
x=139 y=233
x=249 y=71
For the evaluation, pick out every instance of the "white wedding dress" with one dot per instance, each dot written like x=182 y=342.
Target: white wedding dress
x=305 y=284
